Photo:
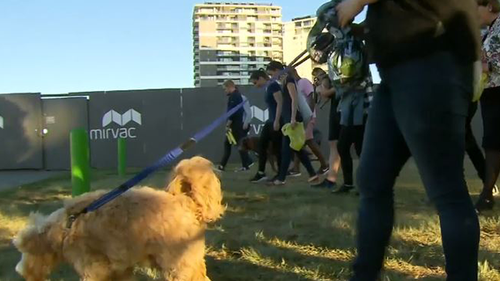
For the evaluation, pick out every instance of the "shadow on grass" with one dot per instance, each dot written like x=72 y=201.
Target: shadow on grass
x=236 y=270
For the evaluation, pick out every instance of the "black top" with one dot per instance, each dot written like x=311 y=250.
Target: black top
x=271 y=89
x=287 y=102
x=399 y=30
x=234 y=100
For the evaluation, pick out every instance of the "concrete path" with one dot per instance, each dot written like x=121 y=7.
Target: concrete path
x=12 y=179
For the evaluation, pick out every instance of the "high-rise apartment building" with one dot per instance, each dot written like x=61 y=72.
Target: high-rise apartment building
x=295 y=41
x=233 y=39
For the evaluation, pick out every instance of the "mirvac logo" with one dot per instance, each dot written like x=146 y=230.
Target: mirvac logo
x=1 y=122
x=118 y=130
x=260 y=115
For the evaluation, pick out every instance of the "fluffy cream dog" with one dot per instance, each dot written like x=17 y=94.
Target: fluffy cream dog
x=144 y=226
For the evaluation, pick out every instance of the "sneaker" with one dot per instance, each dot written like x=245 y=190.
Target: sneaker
x=277 y=183
x=484 y=204
x=220 y=168
x=259 y=177
x=325 y=184
x=323 y=170
x=496 y=191
x=293 y=174
x=343 y=189
x=242 y=169
x=270 y=180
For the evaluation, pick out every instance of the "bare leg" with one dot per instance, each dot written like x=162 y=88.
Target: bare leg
x=492 y=171
x=334 y=162
x=316 y=151
x=296 y=164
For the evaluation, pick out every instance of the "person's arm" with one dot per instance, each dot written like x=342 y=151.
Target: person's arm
x=306 y=88
x=328 y=91
x=292 y=89
x=248 y=114
x=279 y=105
x=349 y=9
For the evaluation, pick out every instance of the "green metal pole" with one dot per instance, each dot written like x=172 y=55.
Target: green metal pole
x=80 y=162
x=122 y=157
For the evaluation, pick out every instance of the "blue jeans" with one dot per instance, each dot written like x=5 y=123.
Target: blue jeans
x=286 y=158
x=420 y=110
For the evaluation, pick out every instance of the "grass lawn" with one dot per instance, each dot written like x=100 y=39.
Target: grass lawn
x=285 y=233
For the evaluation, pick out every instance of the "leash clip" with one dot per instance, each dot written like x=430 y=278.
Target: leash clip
x=71 y=220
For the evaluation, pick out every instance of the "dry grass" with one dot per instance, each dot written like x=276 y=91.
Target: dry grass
x=286 y=233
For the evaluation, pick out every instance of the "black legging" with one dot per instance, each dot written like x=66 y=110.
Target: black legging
x=472 y=148
x=349 y=135
x=245 y=158
x=269 y=136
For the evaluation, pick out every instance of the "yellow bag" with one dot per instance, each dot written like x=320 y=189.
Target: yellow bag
x=480 y=80
x=479 y=89
x=230 y=137
x=297 y=135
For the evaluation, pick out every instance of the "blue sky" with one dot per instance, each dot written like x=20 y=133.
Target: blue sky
x=60 y=46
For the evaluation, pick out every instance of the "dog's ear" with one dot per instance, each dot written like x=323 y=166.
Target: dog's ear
x=196 y=178
x=178 y=186
x=40 y=244
x=206 y=192
x=37 y=237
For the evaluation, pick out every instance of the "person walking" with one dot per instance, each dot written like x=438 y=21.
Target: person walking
x=235 y=126
x=288 y=99
x=324 y=88
x=271 y=133
x=425 y=59
x=353 y=108
x=306 y=93
x=489 y=11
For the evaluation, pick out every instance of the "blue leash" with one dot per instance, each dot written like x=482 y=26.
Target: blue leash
x=164 y=161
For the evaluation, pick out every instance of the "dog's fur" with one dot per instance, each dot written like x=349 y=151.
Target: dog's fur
x=252 y=144
x=144 y=226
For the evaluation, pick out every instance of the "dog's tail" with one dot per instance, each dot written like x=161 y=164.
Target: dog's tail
x=197 y=179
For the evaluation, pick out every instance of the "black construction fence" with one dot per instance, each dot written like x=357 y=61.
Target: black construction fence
x=35 y=129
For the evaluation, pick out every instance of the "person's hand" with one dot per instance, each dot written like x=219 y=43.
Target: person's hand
x=486 y=67
x=294 y=124
x=276 y=125
x=245 y=127
x=347 y=10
